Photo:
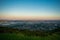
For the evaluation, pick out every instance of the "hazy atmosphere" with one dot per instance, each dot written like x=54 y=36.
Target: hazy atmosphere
x=29 y=19
x=30 y=9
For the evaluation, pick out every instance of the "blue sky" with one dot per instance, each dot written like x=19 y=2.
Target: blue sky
x=24 y=8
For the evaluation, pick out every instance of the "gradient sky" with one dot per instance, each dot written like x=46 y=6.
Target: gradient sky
x=30 y=9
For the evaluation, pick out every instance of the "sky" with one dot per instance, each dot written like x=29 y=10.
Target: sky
x=30 y=9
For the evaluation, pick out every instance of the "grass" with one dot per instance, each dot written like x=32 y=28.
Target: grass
x=14 y=34
x=19 y=36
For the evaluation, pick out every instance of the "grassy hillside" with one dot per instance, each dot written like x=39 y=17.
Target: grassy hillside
x=15 y=34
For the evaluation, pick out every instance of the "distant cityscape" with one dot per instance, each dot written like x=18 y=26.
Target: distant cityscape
x=31 y=25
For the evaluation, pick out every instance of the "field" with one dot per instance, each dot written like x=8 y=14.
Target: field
x=14 y=34
x=19 y=36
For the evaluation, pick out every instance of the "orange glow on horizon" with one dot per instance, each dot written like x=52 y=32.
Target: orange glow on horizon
x=31 y=17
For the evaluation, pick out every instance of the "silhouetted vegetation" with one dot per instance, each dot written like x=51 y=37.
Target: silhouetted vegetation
x=30 y=33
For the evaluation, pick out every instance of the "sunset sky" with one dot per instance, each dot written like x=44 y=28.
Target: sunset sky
x=30 y=9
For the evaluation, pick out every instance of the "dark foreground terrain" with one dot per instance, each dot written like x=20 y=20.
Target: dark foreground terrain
x=29 y=30
x=15 y=34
